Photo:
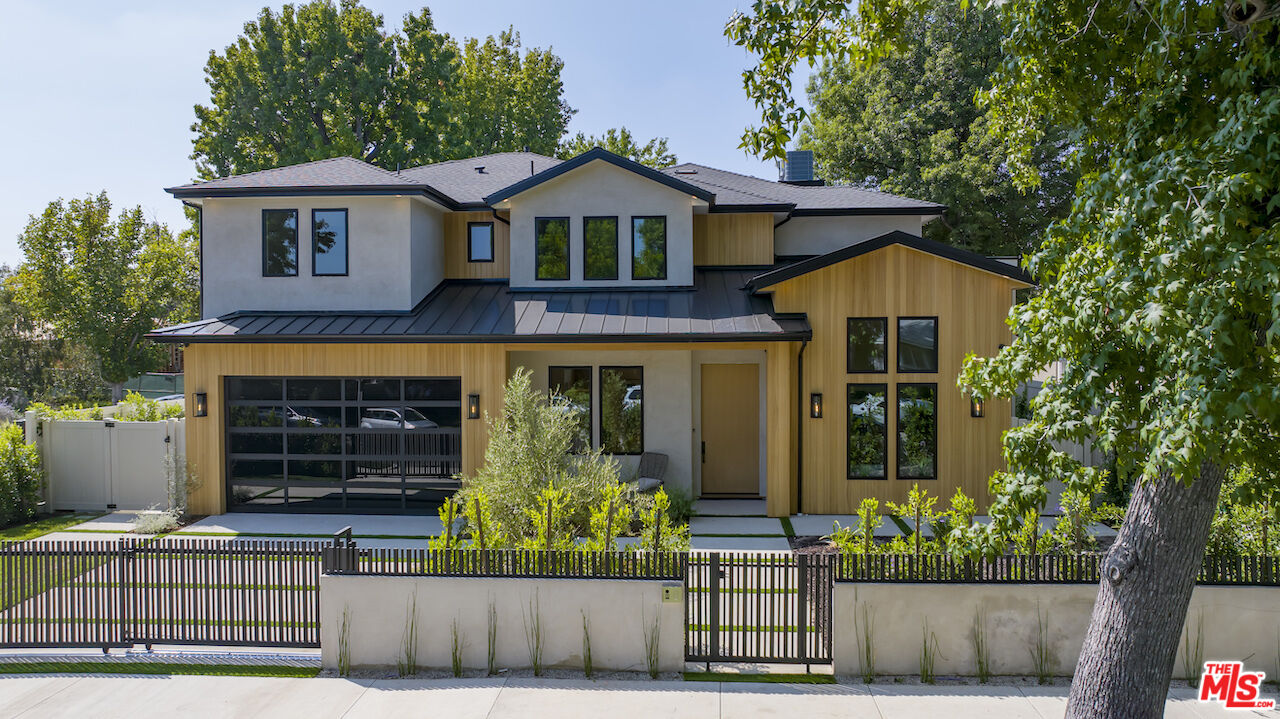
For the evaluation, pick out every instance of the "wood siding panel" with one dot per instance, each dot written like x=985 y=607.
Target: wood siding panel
x=780 y=485
x=482 y=368
x=456 y=266
x=899 y=282
x=733 y=239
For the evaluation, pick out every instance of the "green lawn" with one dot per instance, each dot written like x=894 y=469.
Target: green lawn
x=43 y=526
x=227 y=670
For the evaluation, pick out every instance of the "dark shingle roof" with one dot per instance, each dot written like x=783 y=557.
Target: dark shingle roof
x=603 y=155
x=717 y=308
x=333 y=172
x=460 y=180
x=732 y=188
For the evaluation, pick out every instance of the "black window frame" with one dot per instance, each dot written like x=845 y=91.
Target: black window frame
x=568 y=253
x=898 y=344
x=848 y=359
x=492 y=249
x=346 y=242
x=296 y=220
x=666 y=259
x=883 y=388
x=585 y=265
x=591 y=398
x=600 y=411
x=897 y=428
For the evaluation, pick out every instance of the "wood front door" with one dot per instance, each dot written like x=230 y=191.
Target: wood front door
x=731 y=429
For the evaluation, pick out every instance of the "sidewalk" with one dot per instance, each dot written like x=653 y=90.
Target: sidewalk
x=165 y=697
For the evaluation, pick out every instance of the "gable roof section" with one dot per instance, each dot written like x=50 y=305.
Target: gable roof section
x=718 y=308
x=955 y=254
x=598 y=153
x=733 y=190
x=335 y=173
x=468 y=186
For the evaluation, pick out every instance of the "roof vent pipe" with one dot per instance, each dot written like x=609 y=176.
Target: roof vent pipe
x=797 y=169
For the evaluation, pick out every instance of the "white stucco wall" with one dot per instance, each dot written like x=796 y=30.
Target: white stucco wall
x=820 y=235
x=380 y=265
x=1239 y=623
x=601 y=189
x=618 y=611
x=426 y=231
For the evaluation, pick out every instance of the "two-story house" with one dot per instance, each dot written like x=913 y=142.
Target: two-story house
x=786 y=340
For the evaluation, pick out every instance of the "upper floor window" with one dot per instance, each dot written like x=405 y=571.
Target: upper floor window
x=600 y=248
x=648 y=248
x=279 y=243
x=917 y=344
x=328 y=242
x=479 y=242
x=551 y=247
x=868 y=344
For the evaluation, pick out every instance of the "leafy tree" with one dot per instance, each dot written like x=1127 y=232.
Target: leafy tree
x=506 y=102
x=910 y=125
x=28 y=352
x=103 y=285
x=320 y=80
x=1160 y=289
x=619 y=141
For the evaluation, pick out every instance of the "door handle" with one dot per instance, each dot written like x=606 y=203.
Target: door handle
x=704 y=452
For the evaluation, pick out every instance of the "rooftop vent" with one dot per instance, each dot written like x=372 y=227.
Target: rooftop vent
x=797 y=169
x=687 y=171
x=480 y=169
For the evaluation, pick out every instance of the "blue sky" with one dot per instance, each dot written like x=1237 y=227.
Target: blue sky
x=98 y=95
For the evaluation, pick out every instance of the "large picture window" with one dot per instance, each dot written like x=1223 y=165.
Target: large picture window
x=868 y=431
x=600 y=248
x=648 y=248
x=279 y=243
x=917 y=431
x=917 y=344
x=551 y=244
x=335 y=444
x=574 y=385
x=329 y=242
x=622 y=410
x=479 y=242
x=868 y=344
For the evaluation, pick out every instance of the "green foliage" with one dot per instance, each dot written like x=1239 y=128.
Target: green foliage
x=21 y=476
x=609 y=520
x=910 y=124
x=619 y=141
x=658 y=533
x=1246 y=521
x=320 y=80
x=859 y=539
x=918 y=507
x=133 y=408
x=679 y=504
x=103 y=285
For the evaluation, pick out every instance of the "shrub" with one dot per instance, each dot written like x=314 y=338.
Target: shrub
x=133 y=408
x=658 y=533
x=21 y=476
x=859 y=539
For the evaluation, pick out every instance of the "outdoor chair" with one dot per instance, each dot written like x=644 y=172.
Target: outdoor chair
x=652 y=470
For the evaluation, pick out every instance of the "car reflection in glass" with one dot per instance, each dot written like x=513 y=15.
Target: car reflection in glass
x=391 y=418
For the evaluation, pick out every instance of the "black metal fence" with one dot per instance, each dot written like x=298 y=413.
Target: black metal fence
x=111 y=594
x=1032 y=569
x=349 y=559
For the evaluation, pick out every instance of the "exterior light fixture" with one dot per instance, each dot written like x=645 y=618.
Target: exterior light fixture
x=473 y=406
x=977 y=408
x=815 y=405
x=202 y=404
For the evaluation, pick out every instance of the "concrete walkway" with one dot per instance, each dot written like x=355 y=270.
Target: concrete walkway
x=165 y=697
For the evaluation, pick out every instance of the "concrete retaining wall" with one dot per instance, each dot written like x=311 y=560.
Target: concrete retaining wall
x=1238 y=623
x=618 y=612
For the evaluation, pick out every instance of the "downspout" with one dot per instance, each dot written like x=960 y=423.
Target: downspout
x=785 y=220
x=498 y=218
x=800 y=407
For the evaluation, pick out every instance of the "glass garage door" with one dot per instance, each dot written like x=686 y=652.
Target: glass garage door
x=325 y=444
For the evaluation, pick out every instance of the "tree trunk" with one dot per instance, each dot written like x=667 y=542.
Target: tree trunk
x=1128 y=654
x=117 y=392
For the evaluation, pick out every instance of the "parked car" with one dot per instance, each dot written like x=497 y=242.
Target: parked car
x=392 y=418
x=633 y=397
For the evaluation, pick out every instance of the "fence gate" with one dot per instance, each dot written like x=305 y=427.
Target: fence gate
x=767 y=608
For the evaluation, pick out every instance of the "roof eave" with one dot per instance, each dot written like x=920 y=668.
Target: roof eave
x=591 y=155
x=196 y=191
x=787 y=336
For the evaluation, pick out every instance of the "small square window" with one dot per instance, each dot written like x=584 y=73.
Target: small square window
x=479 y=242
x=868 y=345
x=917 y=344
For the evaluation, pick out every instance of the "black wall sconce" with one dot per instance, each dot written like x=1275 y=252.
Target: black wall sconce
x=473 y=406
x=977 y=408
x=202 y=404
x=815 y=405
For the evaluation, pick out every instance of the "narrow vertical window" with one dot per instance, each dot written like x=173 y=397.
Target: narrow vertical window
x=600 y=248
x=917 y=344
x=573 y=385
x=648 y=248
x=868 y=337
x=917 y=431
x=622 y=410
x=328 y=242
x=551 y=247
x=279 y=243
x=868 y=431
x=479 y=242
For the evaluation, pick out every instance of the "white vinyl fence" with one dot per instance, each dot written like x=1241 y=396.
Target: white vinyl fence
x=96 y=465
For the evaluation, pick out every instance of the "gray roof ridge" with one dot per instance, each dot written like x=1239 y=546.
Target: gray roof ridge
x=289 y=167
x=798 y=187
x=740 y=190
x=477 y=157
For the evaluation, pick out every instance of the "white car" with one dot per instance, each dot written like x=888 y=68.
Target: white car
x=390 y=418
x=633 y=397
